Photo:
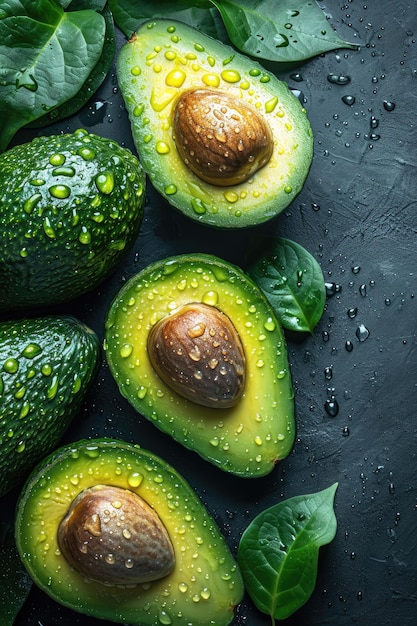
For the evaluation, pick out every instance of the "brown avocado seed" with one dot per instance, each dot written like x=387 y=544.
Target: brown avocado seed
x=198 y=353
x=219 y=137
x=112 y=536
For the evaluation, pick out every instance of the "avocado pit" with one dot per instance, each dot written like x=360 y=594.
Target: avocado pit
x=197 y=352
x=223 y=140
x=112 y=536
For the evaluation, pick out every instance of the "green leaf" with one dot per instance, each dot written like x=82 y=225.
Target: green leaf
x=94 y=80
x=15 y=583
x=46 y=55
x=129 y=13
x=278 y=552
x=286 y=31
x=293 y=282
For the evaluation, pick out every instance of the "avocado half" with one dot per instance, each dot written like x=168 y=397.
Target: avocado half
x=205 y=584
x=166 y=58
x=246 y=439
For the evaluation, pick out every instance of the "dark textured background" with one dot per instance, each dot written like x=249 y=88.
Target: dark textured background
x=357 y=216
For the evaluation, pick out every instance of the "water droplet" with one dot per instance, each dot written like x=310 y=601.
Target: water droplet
x=84 y=236
x=135 y=479
x=362 y=333
x=60 y=191
x=11 y=366
x=297 y=77
x=86 y=153
x=126 y=350
x=349 y=100
x=328 y=373
x=48 y=229
x=338 y=79
x=389 y=106
x=94 y=113
x=352 y=312
x=31 y=202
x=105 y=182
x=53 y=388
x=331 y=407
x=345 y=431
x=230 y=76
x=21 y=447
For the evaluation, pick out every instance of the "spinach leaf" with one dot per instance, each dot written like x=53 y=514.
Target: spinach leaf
x=278 y=552
x=94 y=80
x=293 y=282
x=287 y=31
x=129 y=13
x=15 y=583
x=46 y=55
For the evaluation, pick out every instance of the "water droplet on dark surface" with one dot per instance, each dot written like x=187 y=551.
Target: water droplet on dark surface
x=389 y=106
x=94 y=113
x=331 y=407
x=338 y=79
x=362 y=333
x=349 y=100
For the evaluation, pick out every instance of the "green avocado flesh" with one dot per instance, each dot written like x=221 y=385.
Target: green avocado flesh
x=205 y=584
x=246 y=439
x=164 y=59
x=46 y=367
x=70 y=207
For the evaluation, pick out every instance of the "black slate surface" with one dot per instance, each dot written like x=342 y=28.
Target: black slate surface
x=357 y=216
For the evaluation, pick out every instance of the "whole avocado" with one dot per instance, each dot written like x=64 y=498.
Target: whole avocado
x=70 y=207
x=47 y=364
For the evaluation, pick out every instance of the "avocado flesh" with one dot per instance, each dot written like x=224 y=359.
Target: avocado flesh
x=205 y=584
x=164 y=59
x=246 y=439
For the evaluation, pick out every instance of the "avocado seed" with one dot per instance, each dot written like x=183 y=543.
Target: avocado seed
x=198 y=353
x=112 y=536
x=219 y=137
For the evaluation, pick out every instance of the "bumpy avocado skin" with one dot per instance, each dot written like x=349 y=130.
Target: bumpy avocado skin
x=247 y=439
x=204 y=586
x=162 y=60
x=70 y=207
x=46 y=367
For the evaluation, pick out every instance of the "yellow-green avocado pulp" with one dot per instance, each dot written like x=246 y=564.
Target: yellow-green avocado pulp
x=161 y=61
x=247 y=439
x=205 y=584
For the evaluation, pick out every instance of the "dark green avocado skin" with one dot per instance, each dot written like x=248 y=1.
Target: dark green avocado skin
x=46 y=367
x=70 y=207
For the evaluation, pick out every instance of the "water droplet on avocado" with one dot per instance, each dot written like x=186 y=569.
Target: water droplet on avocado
x=60 y=191
x=105 y=182
x=88 y=154
x=31 y=350
x=11 y=366
x=31 y=202
x=85 y=236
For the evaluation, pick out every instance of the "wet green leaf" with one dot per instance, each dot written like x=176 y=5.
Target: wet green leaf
x=97 y=74
x=15 y=583
x=129 y=13
x=286 y=31
x=293 y=282
x=279 y=550
x=39 y=68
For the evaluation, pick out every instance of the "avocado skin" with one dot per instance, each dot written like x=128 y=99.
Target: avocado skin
x=206 y=583
x=70 y=207
x=162 y=60
x=46 y=367
x=247 y=439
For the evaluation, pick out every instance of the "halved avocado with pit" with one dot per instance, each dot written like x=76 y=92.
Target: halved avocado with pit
x=92 y=490
x=220 y=383
x=222 y=139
